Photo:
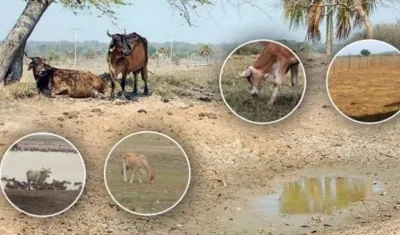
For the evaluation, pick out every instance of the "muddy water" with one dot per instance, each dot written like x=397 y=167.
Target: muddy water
x=64 y=166
x=322 y=195
x=299 y=204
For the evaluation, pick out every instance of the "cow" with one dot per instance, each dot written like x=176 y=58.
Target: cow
x=53 y=81
x=274 y=62
x=38 y=177
x=127 y=53
x=136 y=162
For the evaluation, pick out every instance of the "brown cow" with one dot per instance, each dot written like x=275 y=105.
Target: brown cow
x=76 y=84
x=273 y=62
x=127 y=54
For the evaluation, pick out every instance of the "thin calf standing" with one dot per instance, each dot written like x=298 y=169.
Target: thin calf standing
x=138 y=163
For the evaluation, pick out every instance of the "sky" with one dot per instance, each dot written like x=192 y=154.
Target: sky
x=373 y=46
x=159 y=22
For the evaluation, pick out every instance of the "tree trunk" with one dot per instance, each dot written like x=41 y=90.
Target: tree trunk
x=363 y=15
x=329 y=30
x=17 y=37
x=14 y=72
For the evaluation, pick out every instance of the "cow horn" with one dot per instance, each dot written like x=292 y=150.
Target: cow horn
x=26 y=55
x=108 y=33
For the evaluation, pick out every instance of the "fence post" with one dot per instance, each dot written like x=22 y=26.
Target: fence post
x=348 y=64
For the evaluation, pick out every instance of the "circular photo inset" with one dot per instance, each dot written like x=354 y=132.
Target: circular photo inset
x=42 y=174
x=363 y=81
x=147 y=173
x=262 y=81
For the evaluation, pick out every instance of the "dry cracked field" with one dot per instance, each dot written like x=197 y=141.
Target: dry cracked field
x=231 y=160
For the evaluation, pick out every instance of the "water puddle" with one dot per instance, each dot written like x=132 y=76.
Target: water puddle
x=320 y=195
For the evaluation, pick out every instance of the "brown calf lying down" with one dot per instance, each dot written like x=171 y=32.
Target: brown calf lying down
x=74 y=83
x=136 y=162
x=273 y=62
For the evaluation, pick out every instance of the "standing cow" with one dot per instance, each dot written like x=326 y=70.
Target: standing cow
x=39 y=177
x=127 y=53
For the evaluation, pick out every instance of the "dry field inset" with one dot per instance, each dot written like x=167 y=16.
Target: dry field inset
x=235 y=89
x=367 y=89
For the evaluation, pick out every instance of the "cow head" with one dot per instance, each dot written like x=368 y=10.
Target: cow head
x=119 y=44
x=46 y=172
x=151 y=178
x=256 y=79
x=36 y=62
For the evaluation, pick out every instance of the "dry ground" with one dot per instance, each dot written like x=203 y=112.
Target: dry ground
x=367 y=95
x=42 y=202
x=250 y=159
x=236 y=92
x=167 y=162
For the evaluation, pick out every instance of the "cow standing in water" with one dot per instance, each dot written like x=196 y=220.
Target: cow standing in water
x=274 y=62
x=39 y=177
x=127 y=53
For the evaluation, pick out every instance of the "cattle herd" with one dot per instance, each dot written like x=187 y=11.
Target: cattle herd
x=127 y=53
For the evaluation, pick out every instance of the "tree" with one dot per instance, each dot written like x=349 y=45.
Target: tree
x=151 y=50
x=365 y=52
x=52 y=56
x=347 y=13
x=12 y=48
x=205 y=51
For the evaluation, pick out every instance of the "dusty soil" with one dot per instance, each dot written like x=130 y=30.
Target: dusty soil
x=42 y=202
x=250 y=159
x=367 y=95
x=236 y=92
x=167 y=162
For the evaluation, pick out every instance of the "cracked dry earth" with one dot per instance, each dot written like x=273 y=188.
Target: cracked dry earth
x=249 y=159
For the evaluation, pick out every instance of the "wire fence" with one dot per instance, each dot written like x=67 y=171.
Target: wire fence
x=362 y=63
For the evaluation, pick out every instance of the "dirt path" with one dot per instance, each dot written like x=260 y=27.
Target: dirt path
x=249 y=158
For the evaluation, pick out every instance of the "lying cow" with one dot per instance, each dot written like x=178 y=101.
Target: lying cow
x=38 y=177
x=274 y=62
x=75 y=84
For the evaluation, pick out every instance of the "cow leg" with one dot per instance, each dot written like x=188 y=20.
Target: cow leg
x=135 y=78
x=123 y=82
x=280 y=75
x=133 y=174
x=124 y=171
x=143 y=73
x=113 y=76
x=294 y=72
x=140 y=177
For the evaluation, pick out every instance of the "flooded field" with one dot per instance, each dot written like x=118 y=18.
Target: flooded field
x=64 y=166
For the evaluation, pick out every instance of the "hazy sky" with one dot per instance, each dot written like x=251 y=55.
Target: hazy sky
x=159 y=22
x=373 y=46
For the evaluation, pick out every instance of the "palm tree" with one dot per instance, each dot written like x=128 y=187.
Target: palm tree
x=205 y=51
x=348 y=14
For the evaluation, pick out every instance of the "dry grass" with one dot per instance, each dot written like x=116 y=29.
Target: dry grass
x=367 y=95
x=236 y=92
x=169 y=81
